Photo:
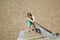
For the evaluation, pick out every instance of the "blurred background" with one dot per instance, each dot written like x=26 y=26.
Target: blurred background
x=13 y=16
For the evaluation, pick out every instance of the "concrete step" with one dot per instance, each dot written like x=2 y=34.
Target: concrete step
x=32 y=36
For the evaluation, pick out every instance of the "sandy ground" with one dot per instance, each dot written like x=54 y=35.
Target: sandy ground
x=13 y=15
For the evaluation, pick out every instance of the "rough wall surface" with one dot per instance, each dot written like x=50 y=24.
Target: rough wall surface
x=13 y=14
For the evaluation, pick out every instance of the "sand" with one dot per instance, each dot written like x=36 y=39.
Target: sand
x=13 y=15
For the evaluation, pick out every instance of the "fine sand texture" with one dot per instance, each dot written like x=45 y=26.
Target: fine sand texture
x=13 y=16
